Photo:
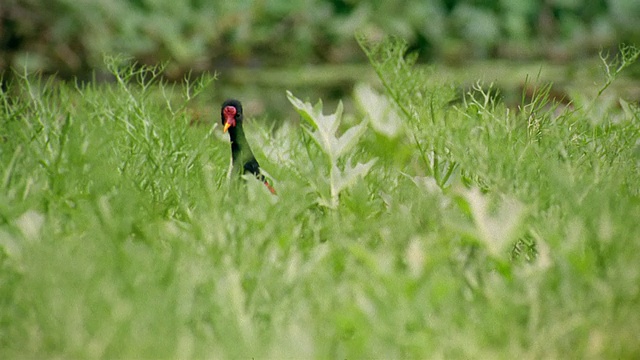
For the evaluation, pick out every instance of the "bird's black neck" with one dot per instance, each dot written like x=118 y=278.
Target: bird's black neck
x=243 y=159
x=238 y=140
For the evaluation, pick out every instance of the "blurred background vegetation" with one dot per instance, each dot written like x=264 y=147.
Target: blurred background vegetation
x=70 y=37
x=260 y=48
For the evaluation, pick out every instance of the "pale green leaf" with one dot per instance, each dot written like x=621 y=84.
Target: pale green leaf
x=380 y=113
x=347 y=177
x=325 y=126
x=348 y=140
x=498 y=228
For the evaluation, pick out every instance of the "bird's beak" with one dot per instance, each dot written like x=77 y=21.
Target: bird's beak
x=229 y=121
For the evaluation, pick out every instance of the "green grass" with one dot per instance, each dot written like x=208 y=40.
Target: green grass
x=479 y=231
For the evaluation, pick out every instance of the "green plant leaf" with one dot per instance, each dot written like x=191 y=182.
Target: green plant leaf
x=381 y=115
x=348 y=140
x=347 y=177
x=313 y=114
x=326 y=127
x=499 y=228
x=324 y=134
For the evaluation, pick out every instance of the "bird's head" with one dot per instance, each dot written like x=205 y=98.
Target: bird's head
x=231 y=114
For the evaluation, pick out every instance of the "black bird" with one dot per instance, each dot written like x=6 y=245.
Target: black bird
x=243 y=160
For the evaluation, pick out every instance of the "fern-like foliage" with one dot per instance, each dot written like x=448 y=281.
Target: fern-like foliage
x=419 y=102
x=613 y=66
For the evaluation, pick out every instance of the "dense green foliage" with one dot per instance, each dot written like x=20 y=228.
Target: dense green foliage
x=70 y=37
x=479 y=231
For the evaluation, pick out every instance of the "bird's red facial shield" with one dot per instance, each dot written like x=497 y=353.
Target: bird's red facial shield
x=229 y=117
